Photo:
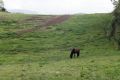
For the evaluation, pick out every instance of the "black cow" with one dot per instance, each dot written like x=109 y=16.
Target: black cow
x=75 y=52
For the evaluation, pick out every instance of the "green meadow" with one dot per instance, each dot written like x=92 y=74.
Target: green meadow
x=44 y=54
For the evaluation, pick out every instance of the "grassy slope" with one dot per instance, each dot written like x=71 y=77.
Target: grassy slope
x=44 y=55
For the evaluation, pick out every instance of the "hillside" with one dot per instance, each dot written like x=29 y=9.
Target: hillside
x=44 y=54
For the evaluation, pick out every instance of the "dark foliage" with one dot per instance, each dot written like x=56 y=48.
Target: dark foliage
x=115 y=32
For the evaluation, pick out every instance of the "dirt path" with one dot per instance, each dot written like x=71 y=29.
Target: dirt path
x=52 y=21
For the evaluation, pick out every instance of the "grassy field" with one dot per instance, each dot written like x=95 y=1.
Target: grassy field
x=44 y=54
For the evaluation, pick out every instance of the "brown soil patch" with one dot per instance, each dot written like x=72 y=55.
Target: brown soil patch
x=45 y=23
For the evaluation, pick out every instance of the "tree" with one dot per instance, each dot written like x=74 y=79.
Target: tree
x=115 y=2
x=115 y=28
x=2 y=6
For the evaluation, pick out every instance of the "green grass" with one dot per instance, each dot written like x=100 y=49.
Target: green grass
x=10 y=22
x=44 y=54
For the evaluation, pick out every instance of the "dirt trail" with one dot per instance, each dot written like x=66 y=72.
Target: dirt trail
x=35 y=20
x=51 y=21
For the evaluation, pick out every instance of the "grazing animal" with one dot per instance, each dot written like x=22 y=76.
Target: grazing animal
x=75 y=52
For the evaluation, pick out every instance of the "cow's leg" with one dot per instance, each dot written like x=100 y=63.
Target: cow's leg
x=74 y=55
x=78 y=53
x=71 y=55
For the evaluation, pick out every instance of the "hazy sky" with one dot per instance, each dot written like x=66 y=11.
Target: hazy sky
x=60 y=6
